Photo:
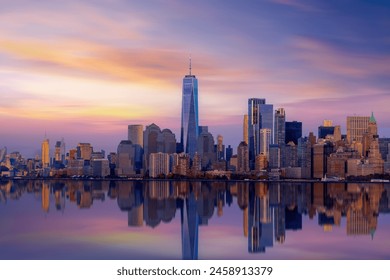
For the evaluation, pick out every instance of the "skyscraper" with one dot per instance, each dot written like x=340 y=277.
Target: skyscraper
x=280 y=127
x=293 y=132
x=136 y=136
x=45 y=153
x=59 y=151
x=356 y=127
x=260 y=115
x=189 y=114
x=265 y=141
x=245 y=128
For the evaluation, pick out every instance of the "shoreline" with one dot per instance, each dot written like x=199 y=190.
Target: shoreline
x=189 y=180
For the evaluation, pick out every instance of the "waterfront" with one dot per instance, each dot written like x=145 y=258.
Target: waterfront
x=193 y=220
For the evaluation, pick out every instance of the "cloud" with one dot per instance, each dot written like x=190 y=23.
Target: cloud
x=323 y=57
x=297 y=4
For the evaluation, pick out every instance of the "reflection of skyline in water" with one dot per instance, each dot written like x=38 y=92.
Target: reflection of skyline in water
x=268 y=210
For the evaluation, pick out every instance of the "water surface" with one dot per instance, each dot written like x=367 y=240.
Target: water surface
x=193 y=220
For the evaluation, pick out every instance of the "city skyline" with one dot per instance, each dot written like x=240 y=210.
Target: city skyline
x=61 y=77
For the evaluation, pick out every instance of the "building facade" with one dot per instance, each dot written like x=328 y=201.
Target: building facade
x=189 y=114
x=260 y=115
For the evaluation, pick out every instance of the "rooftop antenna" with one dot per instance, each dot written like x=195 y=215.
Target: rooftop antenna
x=190 y=65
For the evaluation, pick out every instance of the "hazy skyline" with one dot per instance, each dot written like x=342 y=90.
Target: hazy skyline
x=85 y=71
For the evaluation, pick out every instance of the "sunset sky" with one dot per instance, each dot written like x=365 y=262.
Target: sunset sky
x=84 y=70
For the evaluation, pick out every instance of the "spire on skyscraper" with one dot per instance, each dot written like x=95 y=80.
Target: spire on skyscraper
x=372 y=118
x=190 y=65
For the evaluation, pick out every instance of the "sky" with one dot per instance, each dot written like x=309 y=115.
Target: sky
x=84 y=70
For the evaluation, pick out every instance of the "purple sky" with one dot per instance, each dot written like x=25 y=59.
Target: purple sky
x=85 y=71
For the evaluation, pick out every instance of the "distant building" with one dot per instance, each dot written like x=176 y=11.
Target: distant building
x=125 y=165
x=260 y=115
x=100 y=167
x=136 y=136
x=293 y=132
x=220 y=148
x=245 y=129
x=45 y=152
x=324 y=131
x=243 y=157
x=384 y=147
x=290 y=155
x=274 y=157
x=265 y=141
x=356 y=127
x=181 y=164
x=280 y=127
x=84 y=151
x=261 y=162
x=229 y=153
x=321 y=152
x=158 y=164
x=151 y=135
x=206 y=148
x=59 y=151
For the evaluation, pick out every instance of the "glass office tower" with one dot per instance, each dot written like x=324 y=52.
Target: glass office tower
x=260 y=115
x=189 y=115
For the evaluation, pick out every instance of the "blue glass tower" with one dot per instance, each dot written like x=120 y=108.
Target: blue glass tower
x=189 y=115
x=260 y=115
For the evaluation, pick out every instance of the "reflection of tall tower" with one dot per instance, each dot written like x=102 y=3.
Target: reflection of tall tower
x=45 y=197
x=243 y=200
x=254 y=226
x=189 y=114
x=189 y=228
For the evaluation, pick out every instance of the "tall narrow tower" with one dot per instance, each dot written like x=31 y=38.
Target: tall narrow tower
x=189 y=114
x=45 y=150
x=260 y=115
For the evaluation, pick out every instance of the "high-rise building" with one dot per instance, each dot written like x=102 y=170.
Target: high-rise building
x=323 y=131
x=293 y=132
x=166 y=142
x=84 y=151
x=220 y=148
x=280 y=127
x=274 y=156
x=260 y=115
x=265 y=141
x=158 y=164
x=59 y=151
x=229 y=153
x=337 y=133
x=242 y=157
x=125 y=159
x=3 y=153
x=245 y=129
x=206 y=148
x=189 y=114
x=45 y=153
x=151 y=134
x=356 y=127
x=135 y=134
x=384 y=147
x=321 y=152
